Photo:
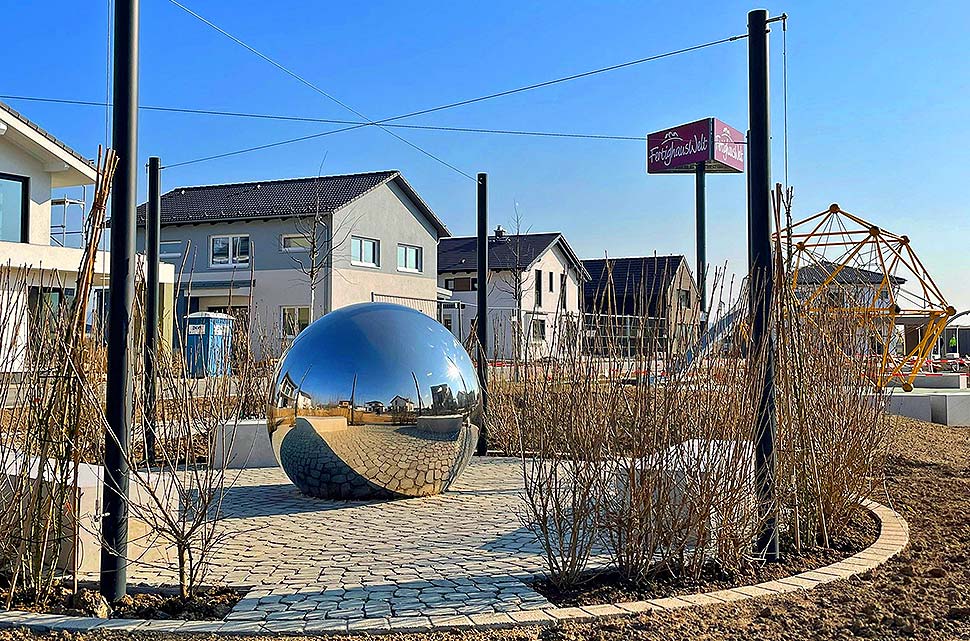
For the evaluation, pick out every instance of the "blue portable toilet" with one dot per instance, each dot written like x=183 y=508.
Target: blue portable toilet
x=208 y=344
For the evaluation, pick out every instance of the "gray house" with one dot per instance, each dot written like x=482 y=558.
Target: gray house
x=627 y=296
x=300 y=247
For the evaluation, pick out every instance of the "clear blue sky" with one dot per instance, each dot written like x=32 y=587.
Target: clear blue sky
x=879 y=106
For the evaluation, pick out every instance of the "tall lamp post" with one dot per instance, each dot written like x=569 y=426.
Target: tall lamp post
x=760 y=275
x=153 y=216
x=481 y=324
x=118 y=405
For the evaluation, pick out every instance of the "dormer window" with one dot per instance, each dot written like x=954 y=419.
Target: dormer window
x=14 y=207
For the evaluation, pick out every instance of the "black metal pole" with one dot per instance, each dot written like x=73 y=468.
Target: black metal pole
x=152 y=233
x=760 y=274
x=700 y=206
x=114 y=525
x=482 y=318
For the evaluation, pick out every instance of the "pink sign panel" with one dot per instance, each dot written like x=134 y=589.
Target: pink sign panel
x=678 y=149
x=729 y=146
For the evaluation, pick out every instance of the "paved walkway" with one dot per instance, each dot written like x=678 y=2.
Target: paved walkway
x=453 y=561
x=463 y=552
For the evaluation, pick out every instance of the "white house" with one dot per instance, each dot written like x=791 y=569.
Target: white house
x=35 y=271
x=401 y=404
x=535 y=291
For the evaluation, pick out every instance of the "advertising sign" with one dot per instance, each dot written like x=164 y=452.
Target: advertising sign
x=710 y=141
x=728 y=147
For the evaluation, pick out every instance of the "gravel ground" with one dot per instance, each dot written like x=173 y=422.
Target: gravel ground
x=924 y=593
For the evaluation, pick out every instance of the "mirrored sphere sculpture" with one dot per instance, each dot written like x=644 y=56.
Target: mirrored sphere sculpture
x=374 y=400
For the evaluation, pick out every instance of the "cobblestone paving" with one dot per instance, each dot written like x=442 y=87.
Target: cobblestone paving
x=333 y=565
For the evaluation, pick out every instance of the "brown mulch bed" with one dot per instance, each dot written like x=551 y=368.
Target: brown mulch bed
x=210 y=604
x=611 y=587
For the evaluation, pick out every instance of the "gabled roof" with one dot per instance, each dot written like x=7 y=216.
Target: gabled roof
x=637 y=287
x=67 y=167
x=510 y=251
x=818 y=273
x=265 y=199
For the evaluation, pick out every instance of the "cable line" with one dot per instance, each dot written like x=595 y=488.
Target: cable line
x=386 y=123
x=547 y=83
x=334 y=121
x=319 y=90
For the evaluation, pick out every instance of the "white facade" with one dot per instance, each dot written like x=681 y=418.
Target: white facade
x=522 y=322
x=36 y=163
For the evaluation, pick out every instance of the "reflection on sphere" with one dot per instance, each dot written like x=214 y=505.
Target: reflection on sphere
x=374 y=400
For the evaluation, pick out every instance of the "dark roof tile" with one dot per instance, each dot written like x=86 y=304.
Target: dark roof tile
x=818 y=273
x=259 y=200
x=508 y=252
x=637 y=284
x=46 y=134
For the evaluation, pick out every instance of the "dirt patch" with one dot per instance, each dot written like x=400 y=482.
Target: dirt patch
x=210 y=604
x=922 y=593
x=611 y=587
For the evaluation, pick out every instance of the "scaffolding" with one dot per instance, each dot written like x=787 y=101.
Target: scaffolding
x=60 y=231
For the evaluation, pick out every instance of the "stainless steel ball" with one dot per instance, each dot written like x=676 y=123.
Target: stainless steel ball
x=374 y=400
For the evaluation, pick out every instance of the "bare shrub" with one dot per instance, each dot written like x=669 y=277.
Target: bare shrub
x=833 y=431
x=52 y=424
x=179 y=498
x=628 y=452
x=52 y=411
x=658 y=444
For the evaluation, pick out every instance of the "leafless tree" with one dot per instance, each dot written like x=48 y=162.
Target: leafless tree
x=313 y=230
x=318 y=238
x=514 y=283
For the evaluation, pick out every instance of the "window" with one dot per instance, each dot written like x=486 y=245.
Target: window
x=170 y=249
x=461 y=284
x=365 y=251
x=538 y=329
x=538 y=288
x=294 y=243
x=550 y=281
x=294 y=320
x=446 y=321
x=409 y=258
x=683 y=297
x=562 y=290
x=14 y=207
x=229 y=250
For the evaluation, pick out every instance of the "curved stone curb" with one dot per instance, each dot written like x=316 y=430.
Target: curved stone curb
x=893 y=537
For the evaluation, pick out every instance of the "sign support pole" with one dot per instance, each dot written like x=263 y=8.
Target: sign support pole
x=700 y=204
x=482 y=318
x=760 y=276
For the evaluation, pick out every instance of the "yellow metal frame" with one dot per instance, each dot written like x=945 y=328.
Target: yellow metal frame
x=835 y=240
